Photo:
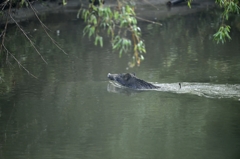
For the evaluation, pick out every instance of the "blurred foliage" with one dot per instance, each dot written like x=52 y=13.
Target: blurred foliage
x=229 y=7
x=189 y=3
x=120 y=25
x=222 y=34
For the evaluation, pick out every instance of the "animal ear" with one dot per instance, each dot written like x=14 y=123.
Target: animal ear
x=127 y=76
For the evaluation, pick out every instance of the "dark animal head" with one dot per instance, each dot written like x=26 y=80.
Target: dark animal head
x=131 y=81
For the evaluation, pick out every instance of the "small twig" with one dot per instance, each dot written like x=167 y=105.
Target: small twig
x=35 y=13
x=8 y=52
x=3 y=4
x=28 y=38
x=150 y=4
x=44 y=28
x=148 y=21
x=3 y=34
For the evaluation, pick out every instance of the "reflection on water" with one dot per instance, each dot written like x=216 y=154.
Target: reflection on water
x=68 y=113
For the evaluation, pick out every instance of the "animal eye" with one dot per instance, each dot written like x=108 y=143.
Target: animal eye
x=127 y=76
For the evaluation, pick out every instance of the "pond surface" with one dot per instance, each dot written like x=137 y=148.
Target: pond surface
x=69 y=112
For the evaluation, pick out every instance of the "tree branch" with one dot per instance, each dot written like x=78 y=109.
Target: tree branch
x=28 y=38
x=8 y=52
x=44 y=28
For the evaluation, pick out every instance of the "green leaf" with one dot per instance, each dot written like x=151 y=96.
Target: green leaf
x=120 y=53
x=101 y=41
x=96 y=40
x=64 y=2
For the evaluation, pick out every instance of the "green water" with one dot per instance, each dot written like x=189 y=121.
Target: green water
x=69 y=112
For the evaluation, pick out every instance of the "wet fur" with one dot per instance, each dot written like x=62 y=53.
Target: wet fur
x=131 y=81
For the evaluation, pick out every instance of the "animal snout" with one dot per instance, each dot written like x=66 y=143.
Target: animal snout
x=110 y=76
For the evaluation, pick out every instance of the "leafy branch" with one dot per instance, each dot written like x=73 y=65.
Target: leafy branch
x=120 y=25
x=222 y=34
x=229 y=6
